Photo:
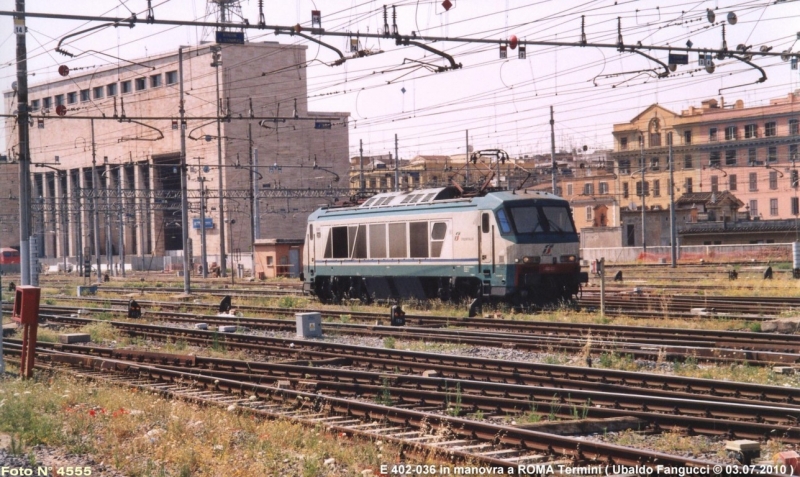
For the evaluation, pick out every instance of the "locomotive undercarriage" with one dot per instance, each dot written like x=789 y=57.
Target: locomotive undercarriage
x=546 y=290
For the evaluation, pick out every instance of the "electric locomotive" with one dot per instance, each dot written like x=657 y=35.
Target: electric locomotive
x=519 y=247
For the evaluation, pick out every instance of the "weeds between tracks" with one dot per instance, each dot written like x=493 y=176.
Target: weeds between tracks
x=142 y=434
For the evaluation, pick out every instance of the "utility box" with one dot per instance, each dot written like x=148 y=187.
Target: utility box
x=26 y=305
x=309 y=325
x=87 y=290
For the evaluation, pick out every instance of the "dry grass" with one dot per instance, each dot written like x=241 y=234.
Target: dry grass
x=142 y=434
x=426 y=347
x=671 y=442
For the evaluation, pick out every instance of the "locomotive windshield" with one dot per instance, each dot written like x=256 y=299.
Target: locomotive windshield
x=541 y=218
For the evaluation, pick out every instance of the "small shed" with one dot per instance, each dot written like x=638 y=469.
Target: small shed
x=278 y=258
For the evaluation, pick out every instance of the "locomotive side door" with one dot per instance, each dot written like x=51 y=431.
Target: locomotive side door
x=486 y=234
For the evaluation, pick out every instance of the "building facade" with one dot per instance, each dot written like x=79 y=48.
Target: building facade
x=749 y=152
x=129 y=152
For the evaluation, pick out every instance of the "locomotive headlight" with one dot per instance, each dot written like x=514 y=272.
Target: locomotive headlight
x=531 y=260
x=569 y=258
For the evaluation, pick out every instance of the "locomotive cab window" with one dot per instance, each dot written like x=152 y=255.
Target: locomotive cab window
x=526 y=219
x=558 y=219
x=502 y=221
x=547 y=218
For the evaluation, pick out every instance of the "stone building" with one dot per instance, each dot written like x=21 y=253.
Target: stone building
x=750 y=152
x=134 y=140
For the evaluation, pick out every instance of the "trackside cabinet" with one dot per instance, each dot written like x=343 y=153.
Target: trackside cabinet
x=26 y=313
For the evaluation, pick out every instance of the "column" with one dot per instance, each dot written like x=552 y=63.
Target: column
x=84 y=214
x=71 y=211
x=61 y=209
x=49 y=216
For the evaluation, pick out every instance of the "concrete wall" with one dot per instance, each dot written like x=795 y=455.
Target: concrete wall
x=693 y=253
x=601 y=237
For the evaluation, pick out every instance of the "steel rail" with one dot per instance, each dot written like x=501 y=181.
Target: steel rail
x=740 y=340
x=462 y=366
x=577 y=449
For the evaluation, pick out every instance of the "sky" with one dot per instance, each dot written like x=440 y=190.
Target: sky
x=503 y=103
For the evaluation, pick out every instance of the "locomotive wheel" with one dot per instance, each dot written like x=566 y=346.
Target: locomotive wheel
x=363 y=293
x=337 y=290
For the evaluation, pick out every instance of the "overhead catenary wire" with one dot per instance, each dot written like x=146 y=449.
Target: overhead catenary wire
x=364 y=124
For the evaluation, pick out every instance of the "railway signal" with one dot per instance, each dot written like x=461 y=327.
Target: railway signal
x=134 y=309
x=397 y=316
x=225 y=304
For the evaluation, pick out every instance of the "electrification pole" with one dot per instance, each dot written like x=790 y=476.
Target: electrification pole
x=184 y=198
x=204 y=257
x=24 y=148
x=396 y=166
x=95 y=217
x=256 y=207
x=553 y=150
x=466 y=155
x=250 y=152
x=644 y=193
x=673 y=236
x=217 y=52
x=109 y=254
x=121 y=242
x=361 y=184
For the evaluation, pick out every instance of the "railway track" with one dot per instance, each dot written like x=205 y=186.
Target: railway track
x=456 y=366
x=750 y=308
x=638 y=342
x=646 y=306
x=422 y=417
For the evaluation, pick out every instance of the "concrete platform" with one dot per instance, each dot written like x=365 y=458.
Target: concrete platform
x=9 y=329
x=781 y=325
x=69 y=338
x=586 y=426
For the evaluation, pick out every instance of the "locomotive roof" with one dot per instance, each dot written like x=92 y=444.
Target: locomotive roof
x=449 y=194
x=420 y=201
x=427 y=196
x=422 y=196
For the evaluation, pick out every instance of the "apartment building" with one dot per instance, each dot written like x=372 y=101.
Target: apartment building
x=751 y=152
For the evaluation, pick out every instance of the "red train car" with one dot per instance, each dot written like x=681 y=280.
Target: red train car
x=9 y=256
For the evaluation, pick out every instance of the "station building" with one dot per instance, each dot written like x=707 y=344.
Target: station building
x=134 y=142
